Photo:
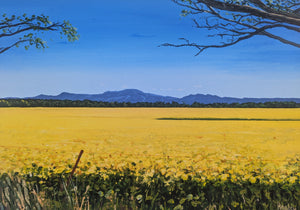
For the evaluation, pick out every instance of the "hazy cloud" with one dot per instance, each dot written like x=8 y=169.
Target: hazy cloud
x=138 y=35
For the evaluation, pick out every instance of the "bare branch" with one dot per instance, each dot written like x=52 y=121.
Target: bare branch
x=236 y=21
x=3 y=49
x=285 y=41
x=260 y=31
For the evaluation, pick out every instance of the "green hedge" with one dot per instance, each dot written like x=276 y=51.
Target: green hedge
x=125 y=188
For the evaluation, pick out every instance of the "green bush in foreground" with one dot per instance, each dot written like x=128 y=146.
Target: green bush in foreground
x=126 y=190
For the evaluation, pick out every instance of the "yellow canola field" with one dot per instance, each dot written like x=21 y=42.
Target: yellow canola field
x=116 y=138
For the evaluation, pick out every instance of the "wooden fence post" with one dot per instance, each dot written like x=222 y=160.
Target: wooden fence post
x=74 y=168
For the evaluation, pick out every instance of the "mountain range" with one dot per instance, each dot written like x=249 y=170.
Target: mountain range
x=134 y=96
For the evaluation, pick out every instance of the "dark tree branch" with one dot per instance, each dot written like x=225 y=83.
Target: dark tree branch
x=268 y=9
x=53 y=27
x=7 y=25
x=260 y=31
x=23 y=29
x=285 y=41
x=236 y=21
x=291 y=18
x=261 y=5
x=3 y=49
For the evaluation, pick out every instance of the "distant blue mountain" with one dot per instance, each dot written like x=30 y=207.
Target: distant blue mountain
x=133 y=96
x=208 y=99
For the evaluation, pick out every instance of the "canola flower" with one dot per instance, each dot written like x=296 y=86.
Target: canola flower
x=116 y=139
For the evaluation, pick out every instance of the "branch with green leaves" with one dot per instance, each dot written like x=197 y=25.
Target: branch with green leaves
x=233 y=21
x=29 y=30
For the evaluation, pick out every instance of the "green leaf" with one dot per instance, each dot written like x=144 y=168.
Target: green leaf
x=189 y=197
x=182 y=200
x=178 y=207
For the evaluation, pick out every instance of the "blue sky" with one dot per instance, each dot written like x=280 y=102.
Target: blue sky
x=118 y=49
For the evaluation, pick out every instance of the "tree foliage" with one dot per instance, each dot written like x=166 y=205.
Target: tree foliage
x=30 y=31
x=233 y=21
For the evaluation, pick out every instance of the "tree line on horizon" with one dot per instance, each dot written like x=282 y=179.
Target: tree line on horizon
x=88 y=103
